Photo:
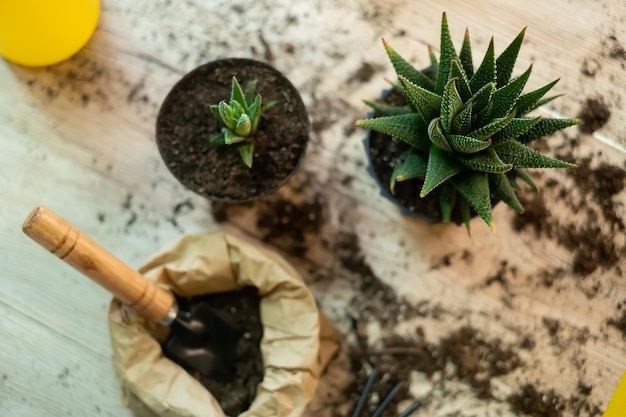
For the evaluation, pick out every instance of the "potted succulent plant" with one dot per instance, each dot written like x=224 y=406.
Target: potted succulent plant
x=208 y=110
x=450 y=141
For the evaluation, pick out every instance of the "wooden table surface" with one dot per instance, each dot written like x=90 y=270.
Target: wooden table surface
x=78 y=137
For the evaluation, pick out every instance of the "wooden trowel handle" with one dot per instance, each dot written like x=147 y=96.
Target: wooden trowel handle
x=78 y=250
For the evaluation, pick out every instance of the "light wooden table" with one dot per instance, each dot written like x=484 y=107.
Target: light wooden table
x=78 y=137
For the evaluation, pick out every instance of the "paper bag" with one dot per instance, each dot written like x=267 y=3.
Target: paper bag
x=290 y=347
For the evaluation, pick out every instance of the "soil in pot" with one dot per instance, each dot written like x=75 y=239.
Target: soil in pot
x=240 y=310
x=384 y=152
x=185 y=125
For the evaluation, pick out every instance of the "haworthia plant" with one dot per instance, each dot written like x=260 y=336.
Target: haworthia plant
x=467 y=128
x=240 y=118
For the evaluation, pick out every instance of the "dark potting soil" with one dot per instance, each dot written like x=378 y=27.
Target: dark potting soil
x=185 y=125
x=240 y=310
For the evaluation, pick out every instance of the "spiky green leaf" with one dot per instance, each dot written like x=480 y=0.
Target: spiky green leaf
x=491 y=128
x=386 y=109
x=502 y=190
x=480 y=100
x=522 y=174
x=544 y=101
x=528 y=102
x=503 y=99
x=217 y=139
x=522 y=156
x=545 y=127
x=424 y=101
x=246 y=151
x=474 y=187
x=486 y=161
x=408 y=128
x=456 y=71
x=215 y=109
x=437 y=135
x=434 y=64
x=254 y=112
x=447 y=53
x=506 y=61
x=227 y=115
x=440 y=168
x=486 y=72
x=466 y=55
x=408 y=71
x=462 y=123
x=237 y=95
x=269 y=105
x=451 y=104
x=464 y=208
x=410 y=165
x=514 y=129
x=467 y=144
x=231 y=137
x=447 y=199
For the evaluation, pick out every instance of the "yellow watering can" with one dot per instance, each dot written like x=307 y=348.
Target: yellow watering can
x=44 y=32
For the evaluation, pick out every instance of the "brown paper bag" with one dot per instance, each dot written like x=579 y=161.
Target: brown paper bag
x=292 y=326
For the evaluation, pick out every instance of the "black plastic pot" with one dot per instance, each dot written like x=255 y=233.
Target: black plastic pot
x=185 y=125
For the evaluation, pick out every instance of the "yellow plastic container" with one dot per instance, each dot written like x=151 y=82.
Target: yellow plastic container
x=44 y=32
x=617 y=406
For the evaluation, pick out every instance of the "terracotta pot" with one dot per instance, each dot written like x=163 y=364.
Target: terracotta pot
x=185 y=125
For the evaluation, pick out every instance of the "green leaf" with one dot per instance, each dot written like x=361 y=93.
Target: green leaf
x=506 y=61
x=440 y=168
x=411 y=164
x=226 y=115
x=522 y=174
x=464 y=208
x=246 y=151
x=446 y=54
x=486 y=72
x=466 y=55
x=386 y=109
x=514 y=129
x=501 y=189
x=545 y=100
x=503 y=99
x=522 y=156
x=424 y=101
x=249 y=93
x=546 y=127
x=269 y=105
x=487 y=161
x=456 y=71
x=480 y=100
x=434 y=64
x=231 y=137
x=217 y=140
x=451 y=104
x=491 y=128
x=408 y=71
x=237 y=95
x=254 y=112
x=409 y=128
x=215 y=109
x=447 y=198
x=462 y=123
x=474 y=187
x=244 y=126
x=437 y=135
x=528 y=102
x=467 y=144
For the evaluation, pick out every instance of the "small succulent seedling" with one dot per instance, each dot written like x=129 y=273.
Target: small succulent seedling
x=468 y=130
x=240 y=119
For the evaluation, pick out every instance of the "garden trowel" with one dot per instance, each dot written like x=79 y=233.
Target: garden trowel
x=199 y=340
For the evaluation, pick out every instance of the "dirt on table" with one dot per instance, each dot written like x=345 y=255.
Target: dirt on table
x=594 y=114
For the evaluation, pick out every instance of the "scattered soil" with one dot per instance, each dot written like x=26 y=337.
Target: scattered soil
x=594 y=114
x=619 y=323
x=240 y=310
x=185 y=125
